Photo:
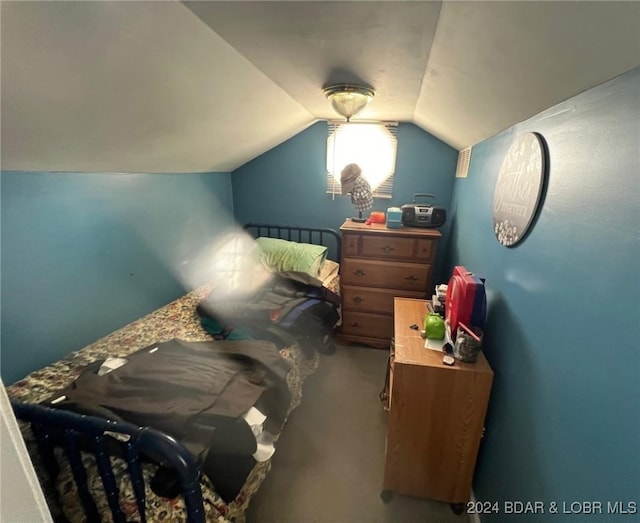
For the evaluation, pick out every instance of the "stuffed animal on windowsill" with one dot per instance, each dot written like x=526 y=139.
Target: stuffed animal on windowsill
x=354 y=183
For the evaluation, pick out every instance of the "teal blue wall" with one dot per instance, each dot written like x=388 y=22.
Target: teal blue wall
x=288 y=183
x=563 y=332
x=84 y=254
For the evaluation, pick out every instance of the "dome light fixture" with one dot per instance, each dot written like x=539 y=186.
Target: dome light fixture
x=348 y=99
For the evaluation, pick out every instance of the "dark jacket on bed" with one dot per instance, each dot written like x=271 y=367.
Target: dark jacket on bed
x=195 y=391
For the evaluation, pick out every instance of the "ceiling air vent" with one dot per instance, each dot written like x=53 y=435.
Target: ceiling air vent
x=464 y=159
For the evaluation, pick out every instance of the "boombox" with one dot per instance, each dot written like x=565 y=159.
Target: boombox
x=422 y=215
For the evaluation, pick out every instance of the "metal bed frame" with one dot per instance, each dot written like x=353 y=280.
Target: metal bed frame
x=77 y=431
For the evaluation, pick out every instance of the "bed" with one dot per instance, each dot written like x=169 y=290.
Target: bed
x=102 y=468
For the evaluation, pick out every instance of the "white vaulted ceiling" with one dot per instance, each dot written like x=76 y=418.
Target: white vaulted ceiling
x=207 y=85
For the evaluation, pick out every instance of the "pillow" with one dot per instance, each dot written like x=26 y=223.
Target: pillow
x=329 y=269
x=283 y=255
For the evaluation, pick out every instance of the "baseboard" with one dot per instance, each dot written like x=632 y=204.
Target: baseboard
x=475 y=517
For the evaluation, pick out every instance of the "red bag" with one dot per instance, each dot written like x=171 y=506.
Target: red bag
x=466 y=300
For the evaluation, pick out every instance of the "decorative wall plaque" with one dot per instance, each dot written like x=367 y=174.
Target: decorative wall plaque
x=518 y=189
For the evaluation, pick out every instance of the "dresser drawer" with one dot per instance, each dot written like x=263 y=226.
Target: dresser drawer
x=373 y=300
x=389 y=247
x=367 y=325
x=385 y=274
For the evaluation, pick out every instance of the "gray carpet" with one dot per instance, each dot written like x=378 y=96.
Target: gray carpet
x=329 y=463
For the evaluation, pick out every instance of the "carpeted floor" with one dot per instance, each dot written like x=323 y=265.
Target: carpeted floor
x=329 y=464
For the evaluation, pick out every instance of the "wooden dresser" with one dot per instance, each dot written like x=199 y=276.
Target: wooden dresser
x=377 y=265
x=436 y=415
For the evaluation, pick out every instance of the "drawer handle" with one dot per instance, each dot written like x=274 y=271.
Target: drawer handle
x=387 y=248
x=355 y=325
x=359 y=272
x=411 y=278
x=357 y=299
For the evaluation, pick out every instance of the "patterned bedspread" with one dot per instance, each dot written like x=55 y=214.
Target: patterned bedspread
x=179 y=320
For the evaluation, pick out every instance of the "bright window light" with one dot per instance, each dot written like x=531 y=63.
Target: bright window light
x=371 y=145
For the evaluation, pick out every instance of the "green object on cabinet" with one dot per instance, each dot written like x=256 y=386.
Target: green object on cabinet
x=434 y=326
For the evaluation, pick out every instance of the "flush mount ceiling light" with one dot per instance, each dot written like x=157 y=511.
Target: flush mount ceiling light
x=348 y=99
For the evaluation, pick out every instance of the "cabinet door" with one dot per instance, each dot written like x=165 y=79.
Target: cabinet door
x=434 y=430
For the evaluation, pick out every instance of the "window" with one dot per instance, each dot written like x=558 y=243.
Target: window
x=371 y=145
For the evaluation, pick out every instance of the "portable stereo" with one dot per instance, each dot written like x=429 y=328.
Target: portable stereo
x=423 y=215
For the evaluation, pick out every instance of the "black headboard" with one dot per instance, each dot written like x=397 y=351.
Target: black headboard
x=330 y=238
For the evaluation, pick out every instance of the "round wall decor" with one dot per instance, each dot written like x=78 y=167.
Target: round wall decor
x=518 y=190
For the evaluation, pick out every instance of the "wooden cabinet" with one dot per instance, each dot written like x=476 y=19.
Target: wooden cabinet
x=377 y=265
x=436 y=414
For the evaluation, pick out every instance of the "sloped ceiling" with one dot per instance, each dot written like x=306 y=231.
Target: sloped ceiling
x=207 y=85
